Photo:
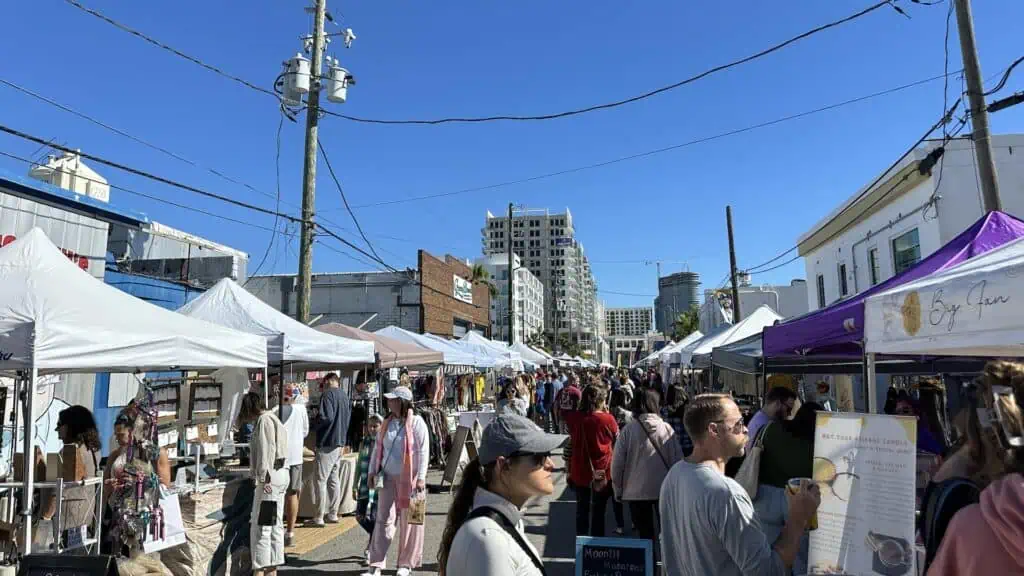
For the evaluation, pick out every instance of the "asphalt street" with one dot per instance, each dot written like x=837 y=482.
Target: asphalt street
x=551 y=526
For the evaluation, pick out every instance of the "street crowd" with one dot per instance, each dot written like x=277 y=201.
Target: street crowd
x=667 y=454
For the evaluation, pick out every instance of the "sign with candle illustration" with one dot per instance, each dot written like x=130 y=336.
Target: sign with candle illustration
x=865 y=465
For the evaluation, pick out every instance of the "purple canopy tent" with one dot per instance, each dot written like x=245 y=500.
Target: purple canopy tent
x=838 y=330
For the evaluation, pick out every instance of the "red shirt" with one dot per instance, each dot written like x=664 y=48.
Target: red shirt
x=593 y=436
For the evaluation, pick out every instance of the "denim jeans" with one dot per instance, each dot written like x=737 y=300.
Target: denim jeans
x=772 y=510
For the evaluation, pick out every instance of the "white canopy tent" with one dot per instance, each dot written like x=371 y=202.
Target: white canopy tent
x=671 y=353
x=504 y=357
x=967 y=310
x=530 y=354
x=452 y=355
x=754 y=323
x=286 y=339
x=550 y=358
x=58 y=319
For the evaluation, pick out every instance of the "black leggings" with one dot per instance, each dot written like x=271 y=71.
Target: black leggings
x=644 y=514
x=590 y=510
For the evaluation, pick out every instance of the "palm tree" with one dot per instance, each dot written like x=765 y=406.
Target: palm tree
x=687 y=323
x=480 y=275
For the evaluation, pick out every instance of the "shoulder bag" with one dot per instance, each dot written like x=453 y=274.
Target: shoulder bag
x=747 y=476
x=655 y=444
x=506 y=524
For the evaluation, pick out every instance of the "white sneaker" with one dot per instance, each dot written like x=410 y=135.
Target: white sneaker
x=403 y=572
x=374 y=572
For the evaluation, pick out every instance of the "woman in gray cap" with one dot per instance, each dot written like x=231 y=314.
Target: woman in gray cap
x=484 y=534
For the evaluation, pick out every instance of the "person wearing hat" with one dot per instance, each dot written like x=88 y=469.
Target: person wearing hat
x=485 y=534
x=398 y=470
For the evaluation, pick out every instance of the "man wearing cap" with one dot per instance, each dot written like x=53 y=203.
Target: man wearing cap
x=485 y=534
x=331 y=432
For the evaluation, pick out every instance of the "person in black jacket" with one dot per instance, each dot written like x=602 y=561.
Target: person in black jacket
x=331 y=433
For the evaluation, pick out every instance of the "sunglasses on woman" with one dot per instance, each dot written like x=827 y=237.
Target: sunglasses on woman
x=538 y=459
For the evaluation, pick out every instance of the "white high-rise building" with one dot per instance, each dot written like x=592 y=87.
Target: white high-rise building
x=527 y=299
x=546 y=244
x=636 y=321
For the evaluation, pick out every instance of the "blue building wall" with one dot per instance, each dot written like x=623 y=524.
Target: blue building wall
x=157 y=292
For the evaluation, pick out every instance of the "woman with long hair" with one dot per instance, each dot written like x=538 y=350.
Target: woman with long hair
x=985 y=538
x=268 y=452
x=593 y=431
x=788 y=452
x=645 y=451
x=485 y=534
x=398 y=469
x=77 y=427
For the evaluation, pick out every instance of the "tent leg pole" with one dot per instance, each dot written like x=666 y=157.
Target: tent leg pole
x=280 y=390
x=764 y=379
x=871 y=382
x=30 y=460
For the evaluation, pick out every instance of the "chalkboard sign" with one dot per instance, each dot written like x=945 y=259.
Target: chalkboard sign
x=66 y=565
x=452 y=465
x=613 y=557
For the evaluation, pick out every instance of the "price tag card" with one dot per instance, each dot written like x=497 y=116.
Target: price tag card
x=74 y=537
x=192 y=433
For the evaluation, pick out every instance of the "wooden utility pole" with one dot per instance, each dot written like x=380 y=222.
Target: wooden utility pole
x=309 y=166
x=732 y=269
x=511 y=283
x=979 y=110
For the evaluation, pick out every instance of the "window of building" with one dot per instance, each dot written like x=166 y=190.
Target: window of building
x=906 y=251
x=821 y=291
x=875 y=269
x=843 y=288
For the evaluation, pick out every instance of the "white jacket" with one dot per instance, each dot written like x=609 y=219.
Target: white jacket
x=481 y=546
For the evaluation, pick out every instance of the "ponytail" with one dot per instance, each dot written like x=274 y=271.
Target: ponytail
x=473 y=476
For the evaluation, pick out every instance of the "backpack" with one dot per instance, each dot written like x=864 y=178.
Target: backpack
x=940 y=503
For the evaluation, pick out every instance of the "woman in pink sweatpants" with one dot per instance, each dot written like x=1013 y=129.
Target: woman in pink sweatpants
x=398 y=468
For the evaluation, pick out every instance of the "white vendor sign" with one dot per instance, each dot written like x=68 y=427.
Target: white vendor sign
x=865 y=465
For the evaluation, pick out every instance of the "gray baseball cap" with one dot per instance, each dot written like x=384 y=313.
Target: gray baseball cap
x=509 y=434
x=401 y=392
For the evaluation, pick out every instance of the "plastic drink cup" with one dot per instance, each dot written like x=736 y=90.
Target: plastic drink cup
x=794 y=487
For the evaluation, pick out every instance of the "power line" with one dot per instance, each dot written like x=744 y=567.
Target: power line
x=327 y=161
x=867 y=190
x=626 y=294
x=124 y=134
x=170 y=49
x=751 y=270
x=274 y=196
x=777 y=266
x=32 y=162
x=1006 y=76
x=552 y=116
x=632 y=99
x=150 y=176
x=647 y=153
x=277 y=203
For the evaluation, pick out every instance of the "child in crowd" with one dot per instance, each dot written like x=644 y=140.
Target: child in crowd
x=366 y=505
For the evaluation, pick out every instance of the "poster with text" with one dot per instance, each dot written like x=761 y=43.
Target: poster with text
x=865 y=465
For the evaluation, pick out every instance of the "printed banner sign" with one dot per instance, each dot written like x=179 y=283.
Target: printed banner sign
x=865 y=465
x=463 y=290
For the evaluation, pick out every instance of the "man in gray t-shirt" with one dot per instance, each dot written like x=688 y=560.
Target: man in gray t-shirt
x=707 y=519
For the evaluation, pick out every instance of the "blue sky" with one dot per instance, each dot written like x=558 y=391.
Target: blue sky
x=436 y=59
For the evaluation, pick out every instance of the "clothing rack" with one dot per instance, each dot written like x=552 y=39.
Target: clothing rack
x=436 y=418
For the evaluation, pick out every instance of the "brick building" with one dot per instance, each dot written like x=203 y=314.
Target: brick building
x=449 y=305
x=436 y=298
